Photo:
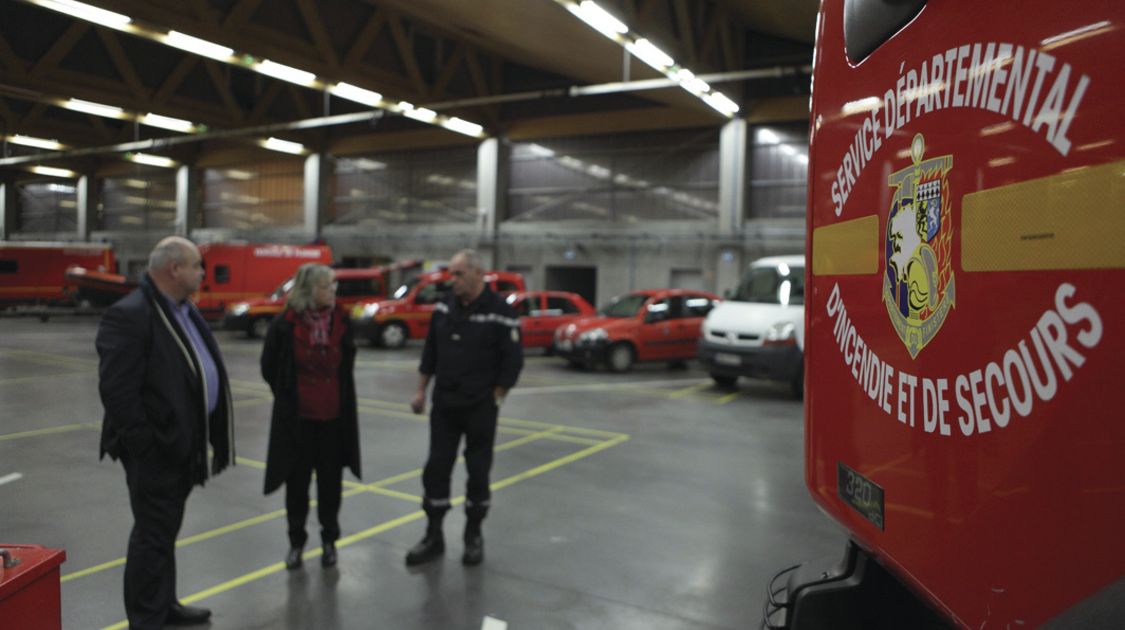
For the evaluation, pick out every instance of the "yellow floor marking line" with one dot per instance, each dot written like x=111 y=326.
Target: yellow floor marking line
x=277 y=567
x=729 y=397
x=50 y=430
x=679 y=393
x=377 y=487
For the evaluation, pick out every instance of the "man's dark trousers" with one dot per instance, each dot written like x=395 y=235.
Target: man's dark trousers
x=158 y=492
x=447 y=424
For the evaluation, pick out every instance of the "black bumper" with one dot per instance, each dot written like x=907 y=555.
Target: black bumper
x=777 y=363
x=239 y=323
x=584 y=353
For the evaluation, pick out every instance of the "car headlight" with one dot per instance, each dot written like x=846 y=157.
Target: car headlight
x=782 y=333
x=361 y=311
x=239 y=309
x=592 y=336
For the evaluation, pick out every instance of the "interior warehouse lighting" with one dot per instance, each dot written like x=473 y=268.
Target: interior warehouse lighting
x=286 y=73
x=97 y=109
x=167 y=122
x=38 y=143
x=357 y=94
x=53 y=172
x=421 y=113
x=721 y=103
x=151 y=160
x=598 y=18
x=86 y=12
x=198 y=46
x=285 y=146
x=647 y=52
x=464 y=127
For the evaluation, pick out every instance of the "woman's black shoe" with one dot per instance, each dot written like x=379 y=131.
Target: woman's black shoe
x=293 y=558
x=328 y=557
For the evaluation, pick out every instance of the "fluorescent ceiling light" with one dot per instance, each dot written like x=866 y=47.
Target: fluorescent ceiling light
x=463 y=126
x=86 y=12
x=598 y=18
x=540 y=150
x=97 y=109
x=421 y=113
x=167 y=122
x=285 y=73
x=53 y=172
x=364 y=164
x=690 y=82
x=151 y=160
x=647 y=52
x=285 y=146
x=198 y=46
x=357 y=94
x=31 y=141
x=239 y=175
x=405 y=106
x=721 y=103
x=767 y=136
x=788 y=149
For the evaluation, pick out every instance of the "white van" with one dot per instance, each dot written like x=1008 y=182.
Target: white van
x=759 y=330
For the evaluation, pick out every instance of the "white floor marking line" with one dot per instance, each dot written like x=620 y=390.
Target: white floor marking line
x=491 y=623
x=10 y=478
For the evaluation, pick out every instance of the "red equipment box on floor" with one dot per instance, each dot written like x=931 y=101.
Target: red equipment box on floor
x=29 y=587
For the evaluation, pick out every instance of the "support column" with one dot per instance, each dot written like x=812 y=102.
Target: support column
x=732 y=177
x=316 y=194
x=9 y=212
x=492 y=197
x=187 y=197
x=86 y=195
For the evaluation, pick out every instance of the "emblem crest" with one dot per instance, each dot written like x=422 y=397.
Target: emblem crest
x=918 y=283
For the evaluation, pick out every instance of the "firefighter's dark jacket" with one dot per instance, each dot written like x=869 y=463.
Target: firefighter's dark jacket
x=153 y=389
x=472 y=349
x=279 y=369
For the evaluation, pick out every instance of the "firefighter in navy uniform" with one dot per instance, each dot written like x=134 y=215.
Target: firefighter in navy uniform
x=474 y=355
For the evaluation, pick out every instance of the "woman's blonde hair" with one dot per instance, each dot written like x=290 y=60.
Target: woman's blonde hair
x=309 y=275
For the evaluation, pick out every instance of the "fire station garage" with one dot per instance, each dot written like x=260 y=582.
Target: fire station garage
x=633 y=177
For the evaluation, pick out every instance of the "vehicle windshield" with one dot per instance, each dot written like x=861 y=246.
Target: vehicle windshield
x=282 y=289
x=404 y=289
x=782 y=285
x=625 y=306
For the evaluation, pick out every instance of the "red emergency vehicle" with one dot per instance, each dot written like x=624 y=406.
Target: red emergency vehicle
x=965 y=306
x=35 y=272
x=237 y=271
x=253 y=316
x=390 y=323
x=646 y=325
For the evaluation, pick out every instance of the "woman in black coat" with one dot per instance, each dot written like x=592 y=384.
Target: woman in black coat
x=309 y=360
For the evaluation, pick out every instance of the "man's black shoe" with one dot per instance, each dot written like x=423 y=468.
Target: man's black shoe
x=474 y=552
x=180 y=615
x=293 y=558
x=430 y=548
x=328 y=557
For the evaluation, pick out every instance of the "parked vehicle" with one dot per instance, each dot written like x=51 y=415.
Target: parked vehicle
x=543 y=312
x=759 y=330
x=34 y=273
x=964 y=313
x=238 y=271
x=390 y=323
x=253 y=316
x=99 y=288
x=649 y=325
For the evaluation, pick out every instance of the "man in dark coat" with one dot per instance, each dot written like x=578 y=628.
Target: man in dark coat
x=473 y=353
x=166 y=398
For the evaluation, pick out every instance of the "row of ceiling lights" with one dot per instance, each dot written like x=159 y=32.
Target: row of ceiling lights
x=607 y=24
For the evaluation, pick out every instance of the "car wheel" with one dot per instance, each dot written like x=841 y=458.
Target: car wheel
x=258 y=327
x=726 y=382
x=393 y=335
x=620 y=358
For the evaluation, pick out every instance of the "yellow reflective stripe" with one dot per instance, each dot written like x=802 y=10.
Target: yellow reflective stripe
x=1073 y=220
x=846 y=248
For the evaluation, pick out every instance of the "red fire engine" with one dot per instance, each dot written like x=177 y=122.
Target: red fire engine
x=965 y=304
x=237 y=271
x=35 y=272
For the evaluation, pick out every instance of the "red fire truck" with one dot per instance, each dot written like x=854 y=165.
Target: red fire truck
x=35 y=272
x=237 y=271
x=964 y=317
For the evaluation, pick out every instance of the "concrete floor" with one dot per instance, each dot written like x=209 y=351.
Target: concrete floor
x=644 y=500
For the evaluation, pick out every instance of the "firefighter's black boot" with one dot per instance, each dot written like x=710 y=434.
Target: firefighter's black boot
x=474 y=544
x=431 y=547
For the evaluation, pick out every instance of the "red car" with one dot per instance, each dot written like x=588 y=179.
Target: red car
x=649 y=325
x=543 y=312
